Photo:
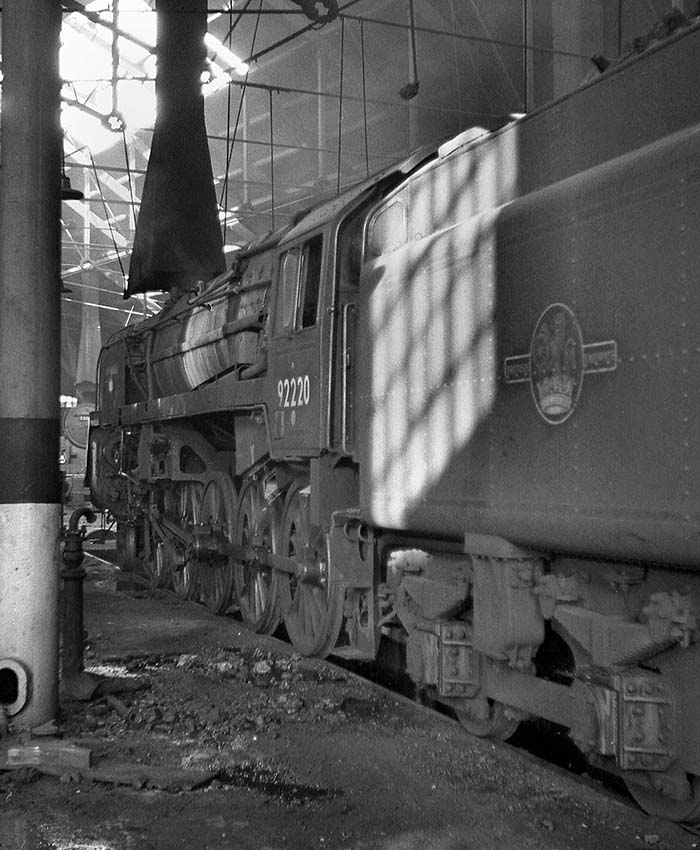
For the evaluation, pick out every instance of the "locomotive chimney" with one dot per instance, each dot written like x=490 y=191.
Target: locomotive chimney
x=177 y=238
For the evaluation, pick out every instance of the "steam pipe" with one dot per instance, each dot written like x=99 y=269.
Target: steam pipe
x=73 y=574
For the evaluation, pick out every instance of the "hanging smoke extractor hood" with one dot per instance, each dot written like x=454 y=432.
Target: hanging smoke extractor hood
x=178 y=236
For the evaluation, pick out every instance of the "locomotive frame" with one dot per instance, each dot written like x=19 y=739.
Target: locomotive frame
x=336 y=433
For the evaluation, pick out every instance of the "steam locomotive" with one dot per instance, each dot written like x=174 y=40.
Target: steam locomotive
x=456 y=407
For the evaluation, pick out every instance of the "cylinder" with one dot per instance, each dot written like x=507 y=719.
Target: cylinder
x=30 y=181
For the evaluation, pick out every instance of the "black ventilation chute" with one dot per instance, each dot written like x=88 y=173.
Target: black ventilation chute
x=178 y=240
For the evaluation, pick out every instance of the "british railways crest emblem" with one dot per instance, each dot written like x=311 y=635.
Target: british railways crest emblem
x=557 y=362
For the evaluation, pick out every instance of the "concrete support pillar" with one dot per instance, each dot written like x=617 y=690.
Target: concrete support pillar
x=30 y=147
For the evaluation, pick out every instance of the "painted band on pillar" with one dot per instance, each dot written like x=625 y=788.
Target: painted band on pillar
x=29 y=479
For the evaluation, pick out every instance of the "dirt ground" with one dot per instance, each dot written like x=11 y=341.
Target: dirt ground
x=219 y=739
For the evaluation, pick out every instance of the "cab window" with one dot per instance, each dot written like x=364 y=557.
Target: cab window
x=310 y=283
x=289 y=276
x=388 y=230
x=300 y=285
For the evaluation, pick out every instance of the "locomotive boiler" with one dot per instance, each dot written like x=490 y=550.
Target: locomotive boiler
x=456 y=407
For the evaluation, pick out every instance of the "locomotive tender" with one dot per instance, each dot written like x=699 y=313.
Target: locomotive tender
x=458 y=407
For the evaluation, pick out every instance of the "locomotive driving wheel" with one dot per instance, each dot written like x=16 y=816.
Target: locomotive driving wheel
x=311 y=607
x=218 y=510
x=256 y=586
x=185 y=572
x=160 y=565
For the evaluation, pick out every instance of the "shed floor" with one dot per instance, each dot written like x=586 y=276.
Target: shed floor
x=233 y=741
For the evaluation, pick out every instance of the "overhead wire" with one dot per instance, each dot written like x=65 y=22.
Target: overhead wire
x=412 y=36
x=235 y=23
x=230 y=145
x=272 y=162
x=107 y=217
x=458 y=84
x=74 y=242
x=130 y=310
x=93 y=15
x=466 y=37
x=224 y=194
x=115 y=57
x=364 y=95
x=230 y=142
x=128 y=175
x=255 y=56
x=340 y=101
x=388 y=157
x=499 y=58
x=280 y=89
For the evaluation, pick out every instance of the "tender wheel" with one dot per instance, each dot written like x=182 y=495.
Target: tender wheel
x=311 y=607
x=657 y=804
x=185 y=570
x=218 y=508
x=256 y=587
x=496 y=724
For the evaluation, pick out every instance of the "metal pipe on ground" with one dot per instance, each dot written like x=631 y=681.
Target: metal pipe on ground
x=73 y=574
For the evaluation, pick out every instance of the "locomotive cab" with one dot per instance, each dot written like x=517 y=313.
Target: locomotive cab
x=301 y=328
x=312 y=347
